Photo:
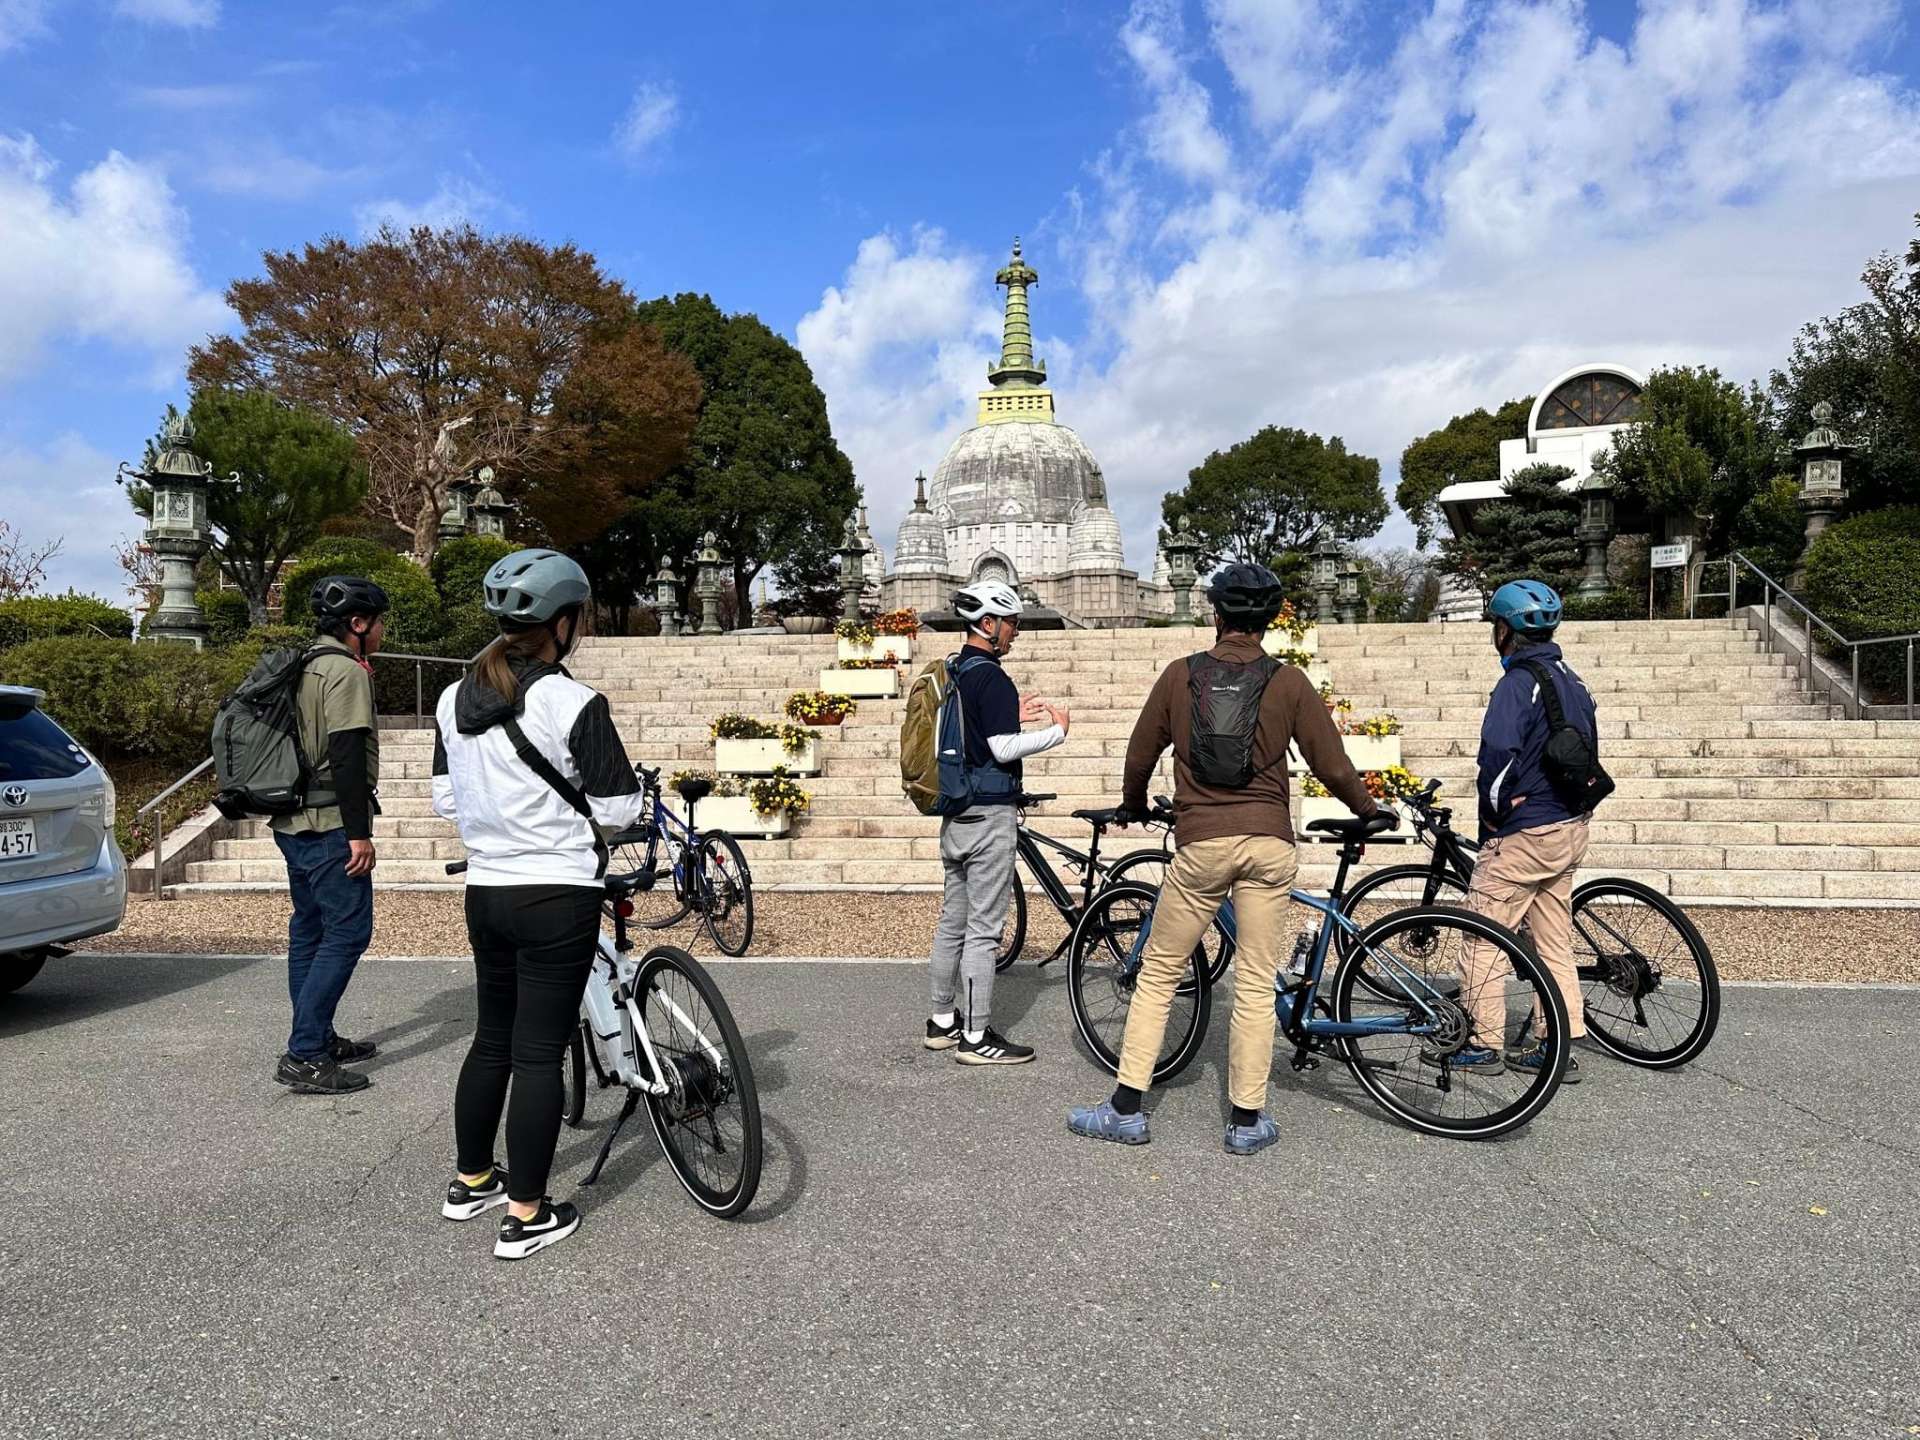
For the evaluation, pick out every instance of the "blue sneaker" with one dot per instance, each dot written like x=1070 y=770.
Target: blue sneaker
x=1103 y=1122
x=1252 y=1139
x=1477 y=1059
x=1528 y=1062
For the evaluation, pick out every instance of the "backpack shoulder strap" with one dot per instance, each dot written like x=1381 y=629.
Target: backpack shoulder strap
x=1556 y=713
x=531 y=757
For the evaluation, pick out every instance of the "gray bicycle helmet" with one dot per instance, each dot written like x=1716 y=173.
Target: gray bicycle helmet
x=530 y=587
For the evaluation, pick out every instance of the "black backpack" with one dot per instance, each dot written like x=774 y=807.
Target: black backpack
x=1226 y=696
x=1571 y=766
x=259 y=765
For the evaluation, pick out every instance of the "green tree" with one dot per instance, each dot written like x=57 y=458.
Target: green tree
x=762 y=471
x=296 y=470
x=1403 y=585
x=1466 y=448
x=1701 y=450
x=1273 y=492
x=1526 y=535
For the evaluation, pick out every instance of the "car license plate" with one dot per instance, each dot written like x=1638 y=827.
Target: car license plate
x=16 y=839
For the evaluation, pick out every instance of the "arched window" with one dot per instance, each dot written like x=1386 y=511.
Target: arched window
x=1595 y=398
x=993 y=568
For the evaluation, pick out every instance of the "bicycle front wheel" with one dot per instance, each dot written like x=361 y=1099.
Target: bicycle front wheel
x=1102 y=974
x=1387 y=892
x=708 y=1121
x=725 y=889
x=1651 y=990
x=1149 y=867
x=669 y=902
x=1415 y=1064
x=1013 y=930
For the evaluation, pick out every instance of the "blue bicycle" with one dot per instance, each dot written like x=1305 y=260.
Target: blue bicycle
x=1398 y=1009
x=703 y=872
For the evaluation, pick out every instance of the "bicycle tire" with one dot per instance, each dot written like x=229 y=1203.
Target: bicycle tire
x=674 y=874
x=698 y=1087
x=1136 y=868
x=1407 y=889
x=1608 y=976
x=1100 y=993
x=573 y=1079
x=1397 y=1084
x=1013 y=941
x=725 y=887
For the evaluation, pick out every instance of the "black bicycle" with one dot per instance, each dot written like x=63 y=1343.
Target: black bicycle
x=1145 y=867
x=1651 y=992
x=707 y=869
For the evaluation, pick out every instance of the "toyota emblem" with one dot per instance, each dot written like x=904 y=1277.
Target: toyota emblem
x=14 y=795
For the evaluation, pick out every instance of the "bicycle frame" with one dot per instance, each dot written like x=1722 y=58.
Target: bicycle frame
x=1087 y=862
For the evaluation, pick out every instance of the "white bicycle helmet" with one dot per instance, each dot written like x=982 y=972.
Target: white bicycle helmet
x=990 y=597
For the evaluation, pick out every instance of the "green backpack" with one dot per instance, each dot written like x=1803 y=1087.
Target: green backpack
x=259 y=765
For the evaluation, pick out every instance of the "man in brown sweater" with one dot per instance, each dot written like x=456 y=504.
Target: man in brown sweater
x=1230 y=716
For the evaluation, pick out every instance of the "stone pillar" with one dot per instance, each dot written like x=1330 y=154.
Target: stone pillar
x=710 y=586
x=853 y=572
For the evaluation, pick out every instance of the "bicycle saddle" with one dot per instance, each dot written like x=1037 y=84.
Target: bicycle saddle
x=1099 y=819
x=693 y=789
x=1377 y=823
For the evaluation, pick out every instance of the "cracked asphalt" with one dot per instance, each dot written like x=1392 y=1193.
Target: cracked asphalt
x=192 y=1251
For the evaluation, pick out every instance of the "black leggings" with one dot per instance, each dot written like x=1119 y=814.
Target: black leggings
x=532 y=949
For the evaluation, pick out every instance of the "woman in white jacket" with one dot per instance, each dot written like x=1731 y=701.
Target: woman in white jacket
x=528 y=764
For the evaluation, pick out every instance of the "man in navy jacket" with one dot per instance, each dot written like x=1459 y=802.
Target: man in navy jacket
x=1532 y=840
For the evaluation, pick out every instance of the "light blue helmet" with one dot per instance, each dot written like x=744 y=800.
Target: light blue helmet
x=530 y=587
x=1528 y=606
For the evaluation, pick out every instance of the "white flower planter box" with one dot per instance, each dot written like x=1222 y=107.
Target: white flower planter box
x=763 y=757
x=1325 y=807
x=1372 y=752
x=900 y=647
x=861 y=684
x=733 y=814
x=1274 y=641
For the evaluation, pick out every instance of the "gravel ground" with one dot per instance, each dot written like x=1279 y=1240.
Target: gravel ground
x=1748 y=944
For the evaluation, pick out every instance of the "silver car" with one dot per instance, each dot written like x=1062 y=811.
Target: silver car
x=62 y=876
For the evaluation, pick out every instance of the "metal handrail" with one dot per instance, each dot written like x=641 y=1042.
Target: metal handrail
x=160 y=833
x=420 y=675
x=1851 y=704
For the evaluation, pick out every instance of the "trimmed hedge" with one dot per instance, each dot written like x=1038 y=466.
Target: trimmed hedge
x=36 y=617
x=121 y=699
x=460 y=565
x=1863 y=578
x=1614 y=605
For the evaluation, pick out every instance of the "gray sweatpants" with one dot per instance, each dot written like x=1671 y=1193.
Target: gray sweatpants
x=977 y=847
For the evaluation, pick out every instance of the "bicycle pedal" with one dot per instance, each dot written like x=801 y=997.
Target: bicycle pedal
x=1304 y=1061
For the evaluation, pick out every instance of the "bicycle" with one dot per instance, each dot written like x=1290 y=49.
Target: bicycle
x=1144 y=866
x=1649 y=986
x=694 y=1077
x=708 y=869
x=1399 y=1033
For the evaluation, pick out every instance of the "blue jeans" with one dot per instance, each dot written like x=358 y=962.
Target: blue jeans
x=332 y=926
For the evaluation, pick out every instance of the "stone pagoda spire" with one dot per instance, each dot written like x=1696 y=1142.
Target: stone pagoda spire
x=1019 y=381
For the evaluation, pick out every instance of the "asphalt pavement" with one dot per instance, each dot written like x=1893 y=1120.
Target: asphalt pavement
x=193 y=1251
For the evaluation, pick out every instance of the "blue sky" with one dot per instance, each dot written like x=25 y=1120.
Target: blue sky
x=1358 y=218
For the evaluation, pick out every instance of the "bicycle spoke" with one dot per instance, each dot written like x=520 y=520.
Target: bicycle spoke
x=686 y=1037
x=1643 y=986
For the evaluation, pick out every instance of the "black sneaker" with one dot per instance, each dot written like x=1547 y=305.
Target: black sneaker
x=944 y=1037
x=351 y=1052
x=993 y=1049
x=469 y=1202
x=318 y=1077
x=521 y=1238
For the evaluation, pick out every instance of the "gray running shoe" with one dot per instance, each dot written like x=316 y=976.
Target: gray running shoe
x=1252 y=1139
x=1103 y=1122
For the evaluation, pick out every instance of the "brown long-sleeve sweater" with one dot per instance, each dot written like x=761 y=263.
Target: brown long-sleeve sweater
x=1290 y=711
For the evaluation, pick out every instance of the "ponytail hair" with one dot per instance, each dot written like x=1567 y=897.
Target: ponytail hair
x=519 y=644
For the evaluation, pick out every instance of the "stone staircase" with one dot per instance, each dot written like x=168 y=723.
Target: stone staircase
x=1731 y=786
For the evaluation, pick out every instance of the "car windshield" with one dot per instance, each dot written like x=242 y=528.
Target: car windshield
x=32 y=747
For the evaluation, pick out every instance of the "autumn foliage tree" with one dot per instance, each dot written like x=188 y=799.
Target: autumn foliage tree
x=445 y=350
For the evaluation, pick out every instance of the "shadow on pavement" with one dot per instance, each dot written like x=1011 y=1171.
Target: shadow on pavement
x=441 y=1020
x=83 y=986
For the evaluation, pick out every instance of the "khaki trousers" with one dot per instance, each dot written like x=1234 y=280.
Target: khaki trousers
x=1257 y=871
x=1525 y=878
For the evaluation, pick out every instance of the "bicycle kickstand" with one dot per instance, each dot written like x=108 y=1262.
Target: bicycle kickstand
x=1303 y=1059
x=633 y=1103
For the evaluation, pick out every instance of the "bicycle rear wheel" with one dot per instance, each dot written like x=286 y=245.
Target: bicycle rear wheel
x=573 y=1078
x=1410 y=1066
x=1013 y=930
x=725 y=892
x=708 y=1122
x=1149 y=867
x=1102 y=975
x=1651 y=990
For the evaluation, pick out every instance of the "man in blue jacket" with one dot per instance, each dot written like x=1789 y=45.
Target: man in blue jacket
x=1532 y=840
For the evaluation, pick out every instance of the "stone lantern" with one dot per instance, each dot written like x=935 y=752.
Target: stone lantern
x=853 y=570
x=1182 y=571
x=666 y=599
x=1823 y=489
x=1326 y=575
x=177 y=531
x=455 y=518
x=1349 y=606
x=488 y=507
x=1595 y=530
x=709 y=560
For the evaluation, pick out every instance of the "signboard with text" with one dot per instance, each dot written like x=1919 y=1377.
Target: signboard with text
x=1666 y=557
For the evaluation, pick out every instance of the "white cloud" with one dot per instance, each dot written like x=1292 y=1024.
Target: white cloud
x=21 y=21
x=65 y=491
x=194 y=97
x=187 y=14
x=455 y=201
x=654 y=112
x=106 y=261
x=1179 y=132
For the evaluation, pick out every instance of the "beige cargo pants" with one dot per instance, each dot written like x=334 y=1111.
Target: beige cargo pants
x=1525 y=878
